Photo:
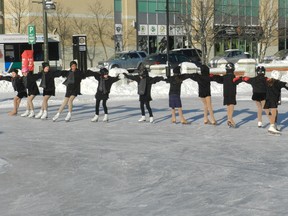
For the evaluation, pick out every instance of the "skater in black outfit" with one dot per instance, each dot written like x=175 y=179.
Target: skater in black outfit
x=258 y=84
x=29 y=80
x=18 y=85
x=105 y=83
x=72 y=83
x=274 y=86
x=145 y=83
x=48 y=85
x=174 y=93
x=204 y=92
x=230 y=83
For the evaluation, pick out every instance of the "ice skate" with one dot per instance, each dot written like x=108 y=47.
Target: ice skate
x=151 y=119
x=56 y=117
x=173 y=121
x=105 y=119
x=184 y=121
x=273 y=130
x=68 y=117
x=31 y=114
x=25 y=114
x=95 y=118
x=44 y=115
x=38 y=116
x=207 y=122
x=142 y=119
x=260 y=125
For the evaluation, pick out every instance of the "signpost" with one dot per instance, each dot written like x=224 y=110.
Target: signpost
x=31 y=34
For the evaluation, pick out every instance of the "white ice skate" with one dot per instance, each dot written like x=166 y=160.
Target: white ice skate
x=142 y=119
x=44 y=115
x=56 y=117
x=273 y=130
x=105 y=119
x=31 y=114
x=260 y=125
x=95 y=118
x=68 y=117
x=38 y=116
x=25 y=114
x=151 y=119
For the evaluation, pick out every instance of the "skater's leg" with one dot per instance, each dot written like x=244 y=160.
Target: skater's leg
x=183 y=120
x=70 y=103
x=149 y=108
x=45 y=102
x=104 y=103
x=259 y=112
x=205 y=110
x=63 y=105
x=210 y=109
x=142 y=108
x=97 y=105
x=230 y=111
x=173 y=115
x=30 y=102
x=16 y=103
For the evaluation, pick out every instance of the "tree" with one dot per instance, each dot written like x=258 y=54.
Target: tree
x=268 y=32
x=18 y=10
x=62 y=25
x=200 y=27
x=103 y=23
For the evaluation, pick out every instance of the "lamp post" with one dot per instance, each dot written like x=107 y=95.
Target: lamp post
x=46 y=5
x=167 y=38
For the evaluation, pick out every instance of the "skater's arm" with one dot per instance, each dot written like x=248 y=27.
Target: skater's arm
x=6 y=78
x=56 y=73
x=193 y=76
x=131 y=77
x=157 y=79
x=237 y=80
x=216 y=78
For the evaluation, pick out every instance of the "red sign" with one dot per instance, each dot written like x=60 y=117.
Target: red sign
x=27 y=60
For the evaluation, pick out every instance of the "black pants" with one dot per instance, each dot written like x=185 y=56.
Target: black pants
x=98 y=105
x=147 y=103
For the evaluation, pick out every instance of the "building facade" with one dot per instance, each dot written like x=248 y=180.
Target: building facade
x=142 y=24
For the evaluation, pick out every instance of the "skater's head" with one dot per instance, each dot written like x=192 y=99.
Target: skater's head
x=143 y=73
x=177 y=70
x=205 y=70
x=45 y=66
x=14 y=72
x=230 y=67
x=275 y=75
x=73 y=65
x=260 y=71
x=104 y=72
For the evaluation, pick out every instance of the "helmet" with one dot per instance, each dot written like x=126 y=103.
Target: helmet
x=205 y=70
x=276 y=75
x=260 y=70
x=104 y=71
x=230 y=66
x=177 y=70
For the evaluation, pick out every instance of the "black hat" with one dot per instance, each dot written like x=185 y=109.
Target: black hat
x=177 y=70
x=104 y=71
x=13 y=70
x=205 y=70
x=45 y=64
x=260 y=70
x=72 y=63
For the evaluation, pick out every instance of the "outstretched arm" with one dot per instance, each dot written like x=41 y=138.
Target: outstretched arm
x=157 y=79
x=237 y=80
x=6 y=78
x=216 y=78
x=131 y=77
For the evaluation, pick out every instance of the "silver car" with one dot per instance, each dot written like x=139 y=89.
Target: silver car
x=129 y=60
x=230 y=55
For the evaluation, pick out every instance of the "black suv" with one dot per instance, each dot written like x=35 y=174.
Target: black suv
x=191 y=53
x=161 y=58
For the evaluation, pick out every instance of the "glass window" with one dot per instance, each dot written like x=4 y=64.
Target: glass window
x=118 y=5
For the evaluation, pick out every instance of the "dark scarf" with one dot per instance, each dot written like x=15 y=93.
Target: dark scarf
x=25 y=81
x=14 y=83
x=102 y=86
x=70 y=79
x=43 y=80
x=142 y=86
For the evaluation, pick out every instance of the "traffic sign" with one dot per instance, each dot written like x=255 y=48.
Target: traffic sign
x=31 y=34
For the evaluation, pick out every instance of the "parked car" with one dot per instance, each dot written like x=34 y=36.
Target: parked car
x=230 y=55
x=161 y=58
x=130 y=60
x=193 y=54
x=280 y=55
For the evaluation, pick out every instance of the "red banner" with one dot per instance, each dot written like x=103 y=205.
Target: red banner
x=27 y=60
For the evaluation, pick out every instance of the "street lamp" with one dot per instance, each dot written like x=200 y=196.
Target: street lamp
x=46 y=6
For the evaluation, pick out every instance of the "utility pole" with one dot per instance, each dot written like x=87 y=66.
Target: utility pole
x=167 y=38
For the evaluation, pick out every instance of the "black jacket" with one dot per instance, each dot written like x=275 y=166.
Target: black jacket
x=47 y=79
x=273 y=92
x=176 y=83
x=17 y=83
x=203 y=84
x=30 y=83
x=229 y=82
x=73 y=81
x=258 y=83
x=149 y=82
